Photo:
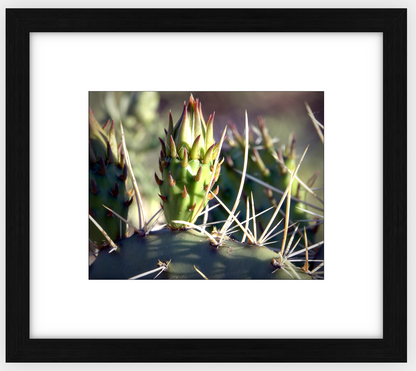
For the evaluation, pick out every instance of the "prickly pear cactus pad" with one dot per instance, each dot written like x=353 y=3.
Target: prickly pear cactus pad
x=189 y=255
x=186 y=165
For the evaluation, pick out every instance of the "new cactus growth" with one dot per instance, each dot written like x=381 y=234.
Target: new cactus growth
x=186 y=164
x=107 y=182
x=268 y=172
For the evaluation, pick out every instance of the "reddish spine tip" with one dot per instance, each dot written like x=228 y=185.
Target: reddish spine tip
x=94 y=188
x=191 y=102
x=185 y=162
x=172 y=181
x=197 y=177
x=110 y=155
x=184 y=192
x=163 y=198
x=115 y=191
x=158 y=181
x=129 y=202
x=121 y=156
x=192 y=207
x=103 y=169
x=211 y=118
x=106 y=125
x=123 y=177
x=163 y=146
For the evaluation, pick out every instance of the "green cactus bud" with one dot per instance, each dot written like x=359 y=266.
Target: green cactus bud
x=188 y=165
x=107 y=176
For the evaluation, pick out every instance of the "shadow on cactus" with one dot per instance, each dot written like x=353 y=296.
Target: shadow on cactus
x=276 y=234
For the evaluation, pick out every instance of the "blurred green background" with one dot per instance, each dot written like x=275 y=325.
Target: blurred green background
x=145 y=116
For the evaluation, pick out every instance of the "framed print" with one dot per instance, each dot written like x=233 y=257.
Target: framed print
x=57 y=58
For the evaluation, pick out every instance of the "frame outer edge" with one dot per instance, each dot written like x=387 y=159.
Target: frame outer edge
x=17 y=187
x=19 y=346
x=395 y=195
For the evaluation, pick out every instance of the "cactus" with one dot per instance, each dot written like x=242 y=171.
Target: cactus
x=189 y=166
x=191 y=256
x=267 y=166
x=138 y=111
x=107 y=182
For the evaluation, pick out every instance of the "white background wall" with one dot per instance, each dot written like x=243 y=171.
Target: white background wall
x=266 y=4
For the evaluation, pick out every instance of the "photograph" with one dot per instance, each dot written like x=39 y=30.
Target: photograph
x=206 y=185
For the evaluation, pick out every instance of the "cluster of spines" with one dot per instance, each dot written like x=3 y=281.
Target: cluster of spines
x=190 y=140
x=107 y=165
x=266 y=163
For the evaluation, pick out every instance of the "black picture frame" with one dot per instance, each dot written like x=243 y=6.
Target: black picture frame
x=391 y=348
